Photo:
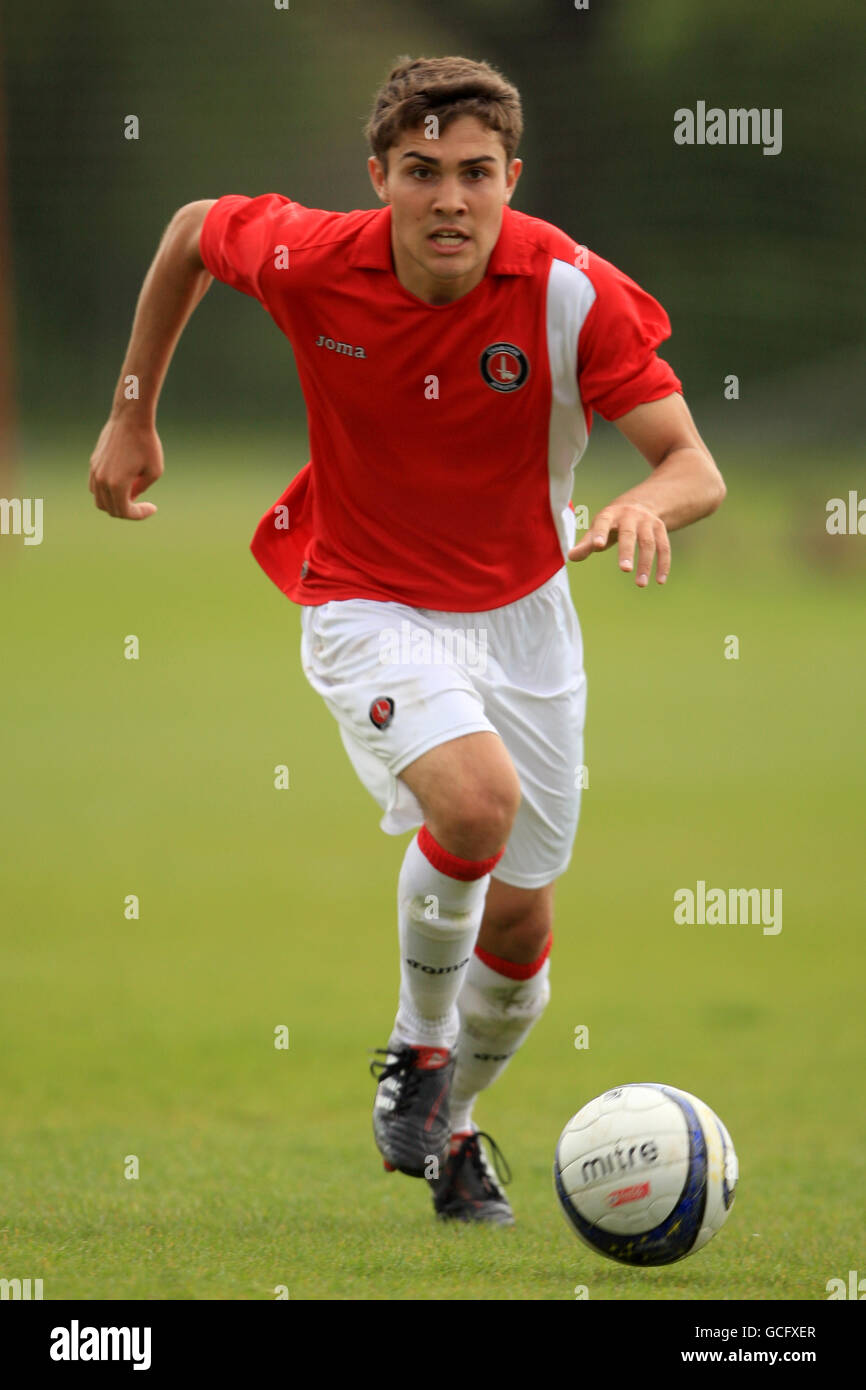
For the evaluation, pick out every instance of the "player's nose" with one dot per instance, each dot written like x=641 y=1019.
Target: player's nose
x=449 y=197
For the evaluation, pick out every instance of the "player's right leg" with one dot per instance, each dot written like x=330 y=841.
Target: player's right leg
x=469 y=792
x=424 y=719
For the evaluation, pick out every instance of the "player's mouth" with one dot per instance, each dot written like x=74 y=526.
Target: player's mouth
x=448 y=241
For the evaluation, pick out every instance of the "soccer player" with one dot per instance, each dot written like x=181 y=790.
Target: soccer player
x=451 y=352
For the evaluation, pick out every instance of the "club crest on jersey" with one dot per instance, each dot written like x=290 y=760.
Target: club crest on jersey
x=504 y=366
x=382 y=711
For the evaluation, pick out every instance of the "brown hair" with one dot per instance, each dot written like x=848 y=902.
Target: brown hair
x=446 y=88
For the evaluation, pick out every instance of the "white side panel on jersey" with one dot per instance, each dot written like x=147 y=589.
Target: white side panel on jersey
x=570 y=296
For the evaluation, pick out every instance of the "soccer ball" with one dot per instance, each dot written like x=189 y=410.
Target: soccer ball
x=645 y=1174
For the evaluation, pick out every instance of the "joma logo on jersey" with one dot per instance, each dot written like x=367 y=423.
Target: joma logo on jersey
x=345 y=348
x=504 y=366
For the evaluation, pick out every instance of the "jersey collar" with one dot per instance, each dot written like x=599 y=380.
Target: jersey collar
x=512 y=254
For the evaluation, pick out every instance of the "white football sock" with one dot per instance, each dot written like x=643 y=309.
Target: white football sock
x=497 y=1013
x=439 y=918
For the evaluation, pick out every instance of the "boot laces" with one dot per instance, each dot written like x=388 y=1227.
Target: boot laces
x=403 y=1065
x=470 y=1152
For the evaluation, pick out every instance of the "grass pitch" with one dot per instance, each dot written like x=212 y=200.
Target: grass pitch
x=153 y=1038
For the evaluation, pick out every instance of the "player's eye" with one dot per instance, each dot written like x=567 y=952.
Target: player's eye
x=480 y=171
x=419 y=169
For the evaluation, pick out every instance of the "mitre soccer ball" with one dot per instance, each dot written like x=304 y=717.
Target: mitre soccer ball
x=645 y=1174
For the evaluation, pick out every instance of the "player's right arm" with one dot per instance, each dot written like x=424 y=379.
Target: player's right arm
x=128 y=453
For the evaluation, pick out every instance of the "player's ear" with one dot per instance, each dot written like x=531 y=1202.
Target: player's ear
x=377 y=177
x=512 y=174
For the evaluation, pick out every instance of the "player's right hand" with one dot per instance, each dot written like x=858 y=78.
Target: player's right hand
x=126 y=460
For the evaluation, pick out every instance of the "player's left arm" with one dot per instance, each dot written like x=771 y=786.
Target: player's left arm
x=685 y=485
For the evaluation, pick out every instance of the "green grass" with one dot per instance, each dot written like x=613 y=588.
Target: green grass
x=154 y=1037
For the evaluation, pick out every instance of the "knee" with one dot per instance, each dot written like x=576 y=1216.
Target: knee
x=477 y=820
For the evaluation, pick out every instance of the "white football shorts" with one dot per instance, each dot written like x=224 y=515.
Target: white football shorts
x=401 y=680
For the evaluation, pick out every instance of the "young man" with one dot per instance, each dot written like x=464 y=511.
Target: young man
x=451 y=353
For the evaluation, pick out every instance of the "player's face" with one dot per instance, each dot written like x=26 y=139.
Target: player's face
x=447 y=197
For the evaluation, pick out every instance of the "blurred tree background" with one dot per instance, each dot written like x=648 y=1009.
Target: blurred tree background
x=757 y=258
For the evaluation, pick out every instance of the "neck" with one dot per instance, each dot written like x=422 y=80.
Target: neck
x=430 y=288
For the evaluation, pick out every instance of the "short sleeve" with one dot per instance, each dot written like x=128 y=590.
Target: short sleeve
x=617 y=365
x=239 y=235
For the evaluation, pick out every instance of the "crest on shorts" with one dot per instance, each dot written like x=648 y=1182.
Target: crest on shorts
x=382 y=711
x=504 y=366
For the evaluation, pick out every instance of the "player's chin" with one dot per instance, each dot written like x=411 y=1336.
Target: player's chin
x=452 y=267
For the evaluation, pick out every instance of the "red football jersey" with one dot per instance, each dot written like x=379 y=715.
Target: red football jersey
x=443 y=438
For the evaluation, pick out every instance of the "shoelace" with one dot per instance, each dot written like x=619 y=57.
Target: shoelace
x=403 y=1062
x=470 y=1151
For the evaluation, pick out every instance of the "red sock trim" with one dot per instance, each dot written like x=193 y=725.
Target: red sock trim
x=511 y=968
x=464 y=869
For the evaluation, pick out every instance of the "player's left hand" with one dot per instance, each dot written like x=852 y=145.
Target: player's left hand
x=632 y=524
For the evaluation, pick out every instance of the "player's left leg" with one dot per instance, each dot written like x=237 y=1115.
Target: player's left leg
x=505 y=990
x=503 y=995
x=535 y=695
